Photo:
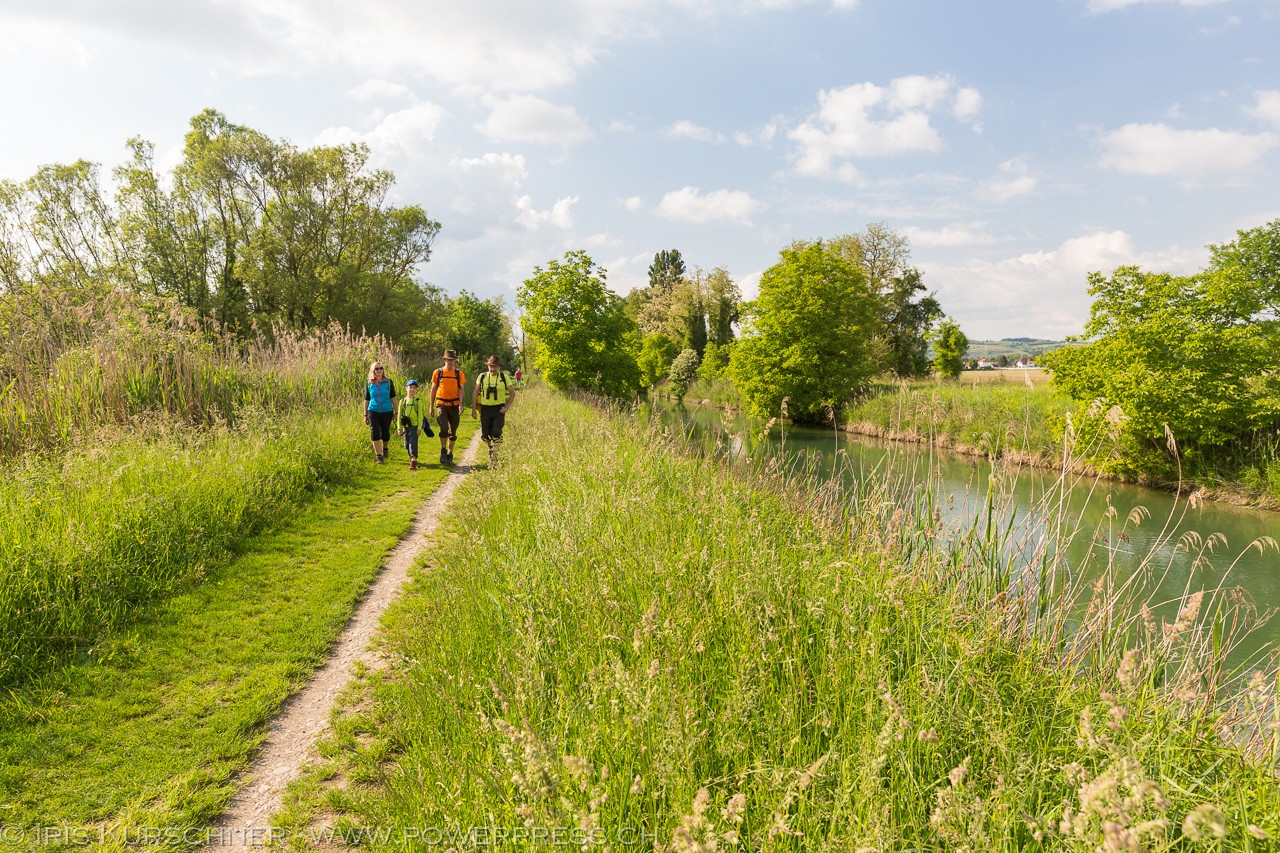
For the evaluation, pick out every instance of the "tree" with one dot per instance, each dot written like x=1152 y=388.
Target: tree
x=584 y=336
x=1255 y=255
x=480 y=327
x=723 y=301
x=1194 y=353
x=908 y=318
x=683 y=371
x=715 y=360
x=667 y=270
x=949 y=348
x=657 y=351
x=810 y=336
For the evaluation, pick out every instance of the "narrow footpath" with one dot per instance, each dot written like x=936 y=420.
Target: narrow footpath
x=304 y=718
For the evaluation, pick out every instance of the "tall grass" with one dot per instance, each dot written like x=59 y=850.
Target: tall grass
x=1000 y=420
x=121 y=363
x=644 y=647
x=88 y=538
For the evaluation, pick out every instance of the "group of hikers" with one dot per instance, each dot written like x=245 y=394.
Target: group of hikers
x=495 y=391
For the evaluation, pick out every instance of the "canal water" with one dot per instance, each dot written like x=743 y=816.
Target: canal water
x=1173 y=545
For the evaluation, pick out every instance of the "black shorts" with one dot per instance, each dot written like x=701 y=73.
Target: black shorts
x=380 y=425
x=449 y=417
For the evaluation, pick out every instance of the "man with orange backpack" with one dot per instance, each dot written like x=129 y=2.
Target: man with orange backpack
x=446 y=395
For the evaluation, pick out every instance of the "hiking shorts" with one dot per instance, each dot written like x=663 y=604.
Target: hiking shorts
x=380 y=425
x=492 y=419
x=449 y=417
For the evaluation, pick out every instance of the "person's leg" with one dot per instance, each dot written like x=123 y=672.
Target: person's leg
x=384 y=435
x=375 y=436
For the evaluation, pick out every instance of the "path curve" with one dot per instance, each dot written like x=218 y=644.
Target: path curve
x=304 y=717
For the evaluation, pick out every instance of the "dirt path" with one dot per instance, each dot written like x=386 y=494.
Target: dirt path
x=305 y=716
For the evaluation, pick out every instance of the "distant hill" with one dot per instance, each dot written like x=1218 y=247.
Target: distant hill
x=1014 y=348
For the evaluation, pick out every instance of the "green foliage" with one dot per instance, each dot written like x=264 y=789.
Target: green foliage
x=480 y=327
x=1194 y=355
x=949 y=347
x=715 y=360
x=809 y=337
x=908 y=318
x=585 y=339
x=246 y=232
x=657 y=351
x=683 y=371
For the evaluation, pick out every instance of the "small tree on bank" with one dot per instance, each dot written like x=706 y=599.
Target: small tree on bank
x=949 y=348
x=809 y=336
x=683 y=371
x=585 y=339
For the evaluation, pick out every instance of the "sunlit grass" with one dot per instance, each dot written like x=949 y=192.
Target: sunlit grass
x=615 y=638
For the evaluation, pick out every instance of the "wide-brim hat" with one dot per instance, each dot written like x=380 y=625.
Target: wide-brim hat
x=451 y=354
x=493 y=359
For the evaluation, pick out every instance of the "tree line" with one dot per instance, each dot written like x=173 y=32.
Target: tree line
x=245 y=234
x=830 y=316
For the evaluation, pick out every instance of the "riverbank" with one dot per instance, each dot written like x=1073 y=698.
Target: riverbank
x=615 y=638
x=1018 y=418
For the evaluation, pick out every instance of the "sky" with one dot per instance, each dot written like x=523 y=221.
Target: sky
x=1018 y=144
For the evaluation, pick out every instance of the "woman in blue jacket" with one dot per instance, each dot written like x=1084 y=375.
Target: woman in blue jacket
x=379 y=410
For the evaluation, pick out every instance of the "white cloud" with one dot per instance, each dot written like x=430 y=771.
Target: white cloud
x=949 y=236
x=405 y=131
x=1268 y=107
x=510 y=168
x=619 y=126
x=1014 y=181
x=559 y=216
x=689 y=130
x=1044 y=292
x=604 y=238
x=1191 y=156
x=635 y=202
x=866 y=120
x=527 y=118
x=690 y=205
x=371 y=90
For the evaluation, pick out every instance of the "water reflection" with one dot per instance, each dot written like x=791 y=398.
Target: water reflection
x=1180 y=547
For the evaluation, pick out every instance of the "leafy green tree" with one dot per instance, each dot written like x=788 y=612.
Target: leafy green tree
x=909 y=312
x=723 y=301
x=683 y=371
x=811 y=335
x=1255 y=255
x=715 y=360
x=480 y=327
x=667 y=270
x=949 y=348
x=1194 y=353
x=657 y=351
x=584 y=336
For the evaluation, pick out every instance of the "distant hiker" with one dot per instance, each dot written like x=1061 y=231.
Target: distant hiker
x=495 y=392
x=379 y=410
x=413 y=416
x=519 y=378
x=446 y=395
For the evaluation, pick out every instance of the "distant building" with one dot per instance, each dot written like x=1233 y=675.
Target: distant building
x=986 y=364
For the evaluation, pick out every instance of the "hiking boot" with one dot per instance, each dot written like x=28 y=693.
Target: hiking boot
x=444 y=457
x=382 y=457
x=450 y=457
x=413 y=464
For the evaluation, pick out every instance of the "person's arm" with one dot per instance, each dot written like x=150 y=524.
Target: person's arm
x=365 y=412
x=431 y=398
x=475 y=396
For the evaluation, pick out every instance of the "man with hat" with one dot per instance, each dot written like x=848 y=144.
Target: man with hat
x=446 y=395
x=494 y=394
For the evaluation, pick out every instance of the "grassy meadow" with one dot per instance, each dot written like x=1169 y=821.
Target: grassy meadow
x=615 y=643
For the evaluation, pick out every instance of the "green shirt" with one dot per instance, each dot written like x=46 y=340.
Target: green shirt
x=413 y=408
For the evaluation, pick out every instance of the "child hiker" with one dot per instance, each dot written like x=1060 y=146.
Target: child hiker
x=413 y=415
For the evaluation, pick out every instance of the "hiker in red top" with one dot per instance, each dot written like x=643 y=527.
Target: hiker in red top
x=446 y=395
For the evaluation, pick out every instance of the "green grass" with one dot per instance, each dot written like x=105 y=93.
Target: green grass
x=147 y=727
x=615 y=639
x=992 y=419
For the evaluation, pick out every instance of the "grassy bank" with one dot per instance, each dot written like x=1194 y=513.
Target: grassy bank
x=1014 y=421
x=89 y=538
x=146 y=730
x=616 y=644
